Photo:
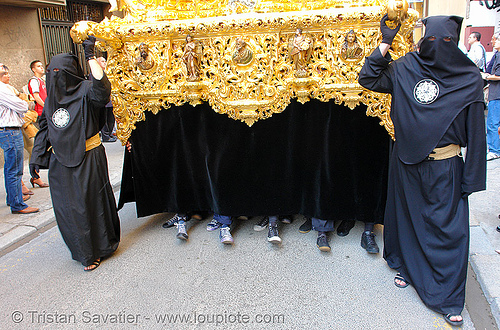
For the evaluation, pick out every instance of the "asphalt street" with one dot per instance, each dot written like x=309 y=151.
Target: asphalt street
x=155 y=281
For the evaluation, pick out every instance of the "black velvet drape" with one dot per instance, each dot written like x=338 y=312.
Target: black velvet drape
x=316 y=159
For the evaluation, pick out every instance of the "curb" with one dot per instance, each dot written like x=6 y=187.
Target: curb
x=484 y=262
x=36 y=224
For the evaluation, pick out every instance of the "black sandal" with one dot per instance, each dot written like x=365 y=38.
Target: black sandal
x=96 y=263
x=400 y=278
x=447 y=318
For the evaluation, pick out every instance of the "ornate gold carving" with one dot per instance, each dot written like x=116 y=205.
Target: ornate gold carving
x=207 y=68
x=81 y=30
x=397 y=10
x=152 y=10
x=246 y=3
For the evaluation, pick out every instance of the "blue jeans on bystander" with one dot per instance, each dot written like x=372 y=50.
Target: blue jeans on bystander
x=11 y=141
x=492 y=123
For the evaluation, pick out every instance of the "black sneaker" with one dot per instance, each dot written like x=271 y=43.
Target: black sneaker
x=322 y=243
x=345 y=227
x=262 y=224
x=306 y=226
x=273 y=235
x=171 y=222
x=498 y=228
x=368 y=242
x=213 y=225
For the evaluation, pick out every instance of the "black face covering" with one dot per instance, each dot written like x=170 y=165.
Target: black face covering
x=439 y=46
x=64 y=77
x=64 y=105
x=432 y=87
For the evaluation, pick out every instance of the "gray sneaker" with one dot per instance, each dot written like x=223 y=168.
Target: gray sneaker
x=181 y=231
x=225 y=236
x=272 y=235
x=213 y=225
x=262 y=224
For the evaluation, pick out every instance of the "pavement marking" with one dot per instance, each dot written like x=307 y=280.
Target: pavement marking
x=440 y=323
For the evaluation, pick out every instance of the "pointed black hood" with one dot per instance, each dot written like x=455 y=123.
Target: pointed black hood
x=433 y=86
x=66 y=88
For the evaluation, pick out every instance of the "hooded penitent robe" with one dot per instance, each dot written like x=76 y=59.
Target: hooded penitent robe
x=437 y=100
x=82 y=196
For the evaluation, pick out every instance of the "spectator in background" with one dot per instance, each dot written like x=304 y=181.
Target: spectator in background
x=36 y=85
x=12 y=110
x=28 y=129
x=476 y=53
x=489 y=66
x=109 y=123
x=493 y=119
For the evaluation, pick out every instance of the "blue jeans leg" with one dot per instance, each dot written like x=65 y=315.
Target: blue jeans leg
x=323 y=225
x=224 y=219
x=492 y=123
x=11 y=141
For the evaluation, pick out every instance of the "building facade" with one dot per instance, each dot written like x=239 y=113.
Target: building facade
x=39 y=29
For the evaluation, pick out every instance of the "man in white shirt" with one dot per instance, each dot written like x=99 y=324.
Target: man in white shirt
x=477 y=53
x=12 y=110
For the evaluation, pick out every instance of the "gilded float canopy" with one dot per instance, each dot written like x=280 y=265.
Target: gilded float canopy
x=247 y=58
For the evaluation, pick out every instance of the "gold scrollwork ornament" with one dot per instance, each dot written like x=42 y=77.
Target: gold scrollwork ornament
x=397 y=11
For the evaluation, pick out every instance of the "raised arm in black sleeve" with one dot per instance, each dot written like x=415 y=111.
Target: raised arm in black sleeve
x=376 y=74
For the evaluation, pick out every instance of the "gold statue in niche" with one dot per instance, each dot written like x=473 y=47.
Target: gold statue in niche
x=145 y=60
x=243 y=55
x=300 y=48
x=351 y=50
x=192 y=58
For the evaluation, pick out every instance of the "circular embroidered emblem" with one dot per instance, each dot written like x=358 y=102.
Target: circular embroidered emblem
x=61 y=117
x=426 y=91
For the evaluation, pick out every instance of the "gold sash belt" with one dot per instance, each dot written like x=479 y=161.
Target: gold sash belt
x=446 y=152
x=92 y=142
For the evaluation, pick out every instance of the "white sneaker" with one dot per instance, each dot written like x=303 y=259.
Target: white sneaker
x=490 y=156
x=272 y=235
x=225 y=236
x=181 y=231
